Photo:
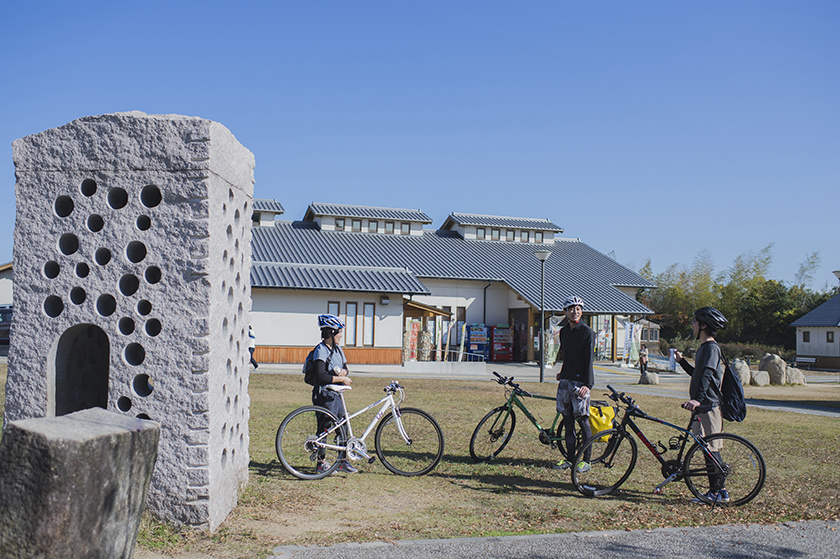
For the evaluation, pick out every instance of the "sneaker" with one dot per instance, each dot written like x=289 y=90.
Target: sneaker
x=346 y=467
x=583 y=467
x=564 y=465
x=322 y=467
x=713 y=497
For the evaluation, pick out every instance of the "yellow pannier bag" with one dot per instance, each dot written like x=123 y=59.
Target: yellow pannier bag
x=601 y=418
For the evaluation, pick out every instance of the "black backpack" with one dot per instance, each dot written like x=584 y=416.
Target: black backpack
x=731 y=394
x=309 y=376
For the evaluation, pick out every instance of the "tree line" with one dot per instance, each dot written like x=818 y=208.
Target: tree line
x=759 y=309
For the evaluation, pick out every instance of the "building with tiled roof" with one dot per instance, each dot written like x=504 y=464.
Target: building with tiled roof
x=818 y=335
x=376 y=278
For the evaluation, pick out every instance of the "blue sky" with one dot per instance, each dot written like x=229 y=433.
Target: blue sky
x=647 y=129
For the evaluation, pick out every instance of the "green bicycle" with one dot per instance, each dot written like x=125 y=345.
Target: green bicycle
x=495 y=429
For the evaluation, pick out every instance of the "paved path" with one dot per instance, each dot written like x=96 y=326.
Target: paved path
x=789 y=540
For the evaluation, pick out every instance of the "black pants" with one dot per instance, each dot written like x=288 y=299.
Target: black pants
x=571 y=437
x=332 y=401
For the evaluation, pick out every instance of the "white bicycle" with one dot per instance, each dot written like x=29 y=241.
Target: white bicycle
x=408 y=441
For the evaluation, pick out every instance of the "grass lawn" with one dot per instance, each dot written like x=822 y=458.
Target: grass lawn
x=518 y=493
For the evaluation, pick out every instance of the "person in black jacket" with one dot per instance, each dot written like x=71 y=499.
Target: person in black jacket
x=706 y=373
x=330 y=368
x=575 y=380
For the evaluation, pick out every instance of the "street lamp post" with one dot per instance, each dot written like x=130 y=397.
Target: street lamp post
x=837 y=275
x=542 y=256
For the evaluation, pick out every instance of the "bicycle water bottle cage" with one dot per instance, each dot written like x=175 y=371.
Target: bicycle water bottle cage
x=674 y=443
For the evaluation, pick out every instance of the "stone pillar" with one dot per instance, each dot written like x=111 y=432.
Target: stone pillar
x=132 y=293
x=73 y=486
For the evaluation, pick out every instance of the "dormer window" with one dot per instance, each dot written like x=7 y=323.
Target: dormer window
x=373 y=226
x=405 y=228
x=509 y=235
x=389 y=227
x=524 y=236
x=538 y=237
x=339 y=224
x=494 y=234
x=357 y=225
x=479 y=233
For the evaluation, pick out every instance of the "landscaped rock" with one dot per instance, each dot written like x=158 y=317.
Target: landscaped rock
x=775 y=367
x=760 y=378
x=649 y=378
x=794 y=376
x=740 y=366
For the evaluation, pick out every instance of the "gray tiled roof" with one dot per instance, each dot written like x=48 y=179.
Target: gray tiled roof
x=827 y=314
x=264 y=205
x=336 y=278
x=574 y=268
x=367 y=212
x=456 y=218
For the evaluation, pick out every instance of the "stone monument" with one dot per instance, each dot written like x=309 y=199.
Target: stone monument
x=132 y=293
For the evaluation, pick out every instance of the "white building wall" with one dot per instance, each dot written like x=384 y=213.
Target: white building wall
x=6 y=287
x=818 y=346
x=288 y=317
x=469 y=294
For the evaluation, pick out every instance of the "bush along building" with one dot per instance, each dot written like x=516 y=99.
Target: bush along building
x=408 y=292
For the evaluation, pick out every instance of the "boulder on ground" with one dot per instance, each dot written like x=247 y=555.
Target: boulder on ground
x=740 y=366
x=649 y=378
x=794 y=376
x=760 y=378
x=775 y=367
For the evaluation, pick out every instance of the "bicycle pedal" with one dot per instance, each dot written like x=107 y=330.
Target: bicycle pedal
x=372 y=459
x=657 y=491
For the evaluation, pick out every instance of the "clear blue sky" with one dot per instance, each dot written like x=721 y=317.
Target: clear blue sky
x=647 y=129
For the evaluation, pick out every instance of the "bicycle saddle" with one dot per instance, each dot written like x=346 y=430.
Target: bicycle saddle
x=338 y=387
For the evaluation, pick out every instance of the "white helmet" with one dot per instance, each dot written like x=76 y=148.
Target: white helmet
x=572 y=301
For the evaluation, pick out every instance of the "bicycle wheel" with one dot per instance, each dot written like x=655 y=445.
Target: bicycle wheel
x=300 y=449
x=420 y=453
x=560 y=439
x=743 y=475
x=611 y=462
x=492 y=434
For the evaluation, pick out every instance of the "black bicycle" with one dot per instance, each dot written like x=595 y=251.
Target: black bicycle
x=719 y=461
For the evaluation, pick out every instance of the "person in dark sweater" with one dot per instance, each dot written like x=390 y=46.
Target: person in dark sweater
x=708 y=369
x=575 y=380
x=330 y=368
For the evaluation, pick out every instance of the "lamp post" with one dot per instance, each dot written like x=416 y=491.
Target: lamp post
x=542 y=256
x=837 y=275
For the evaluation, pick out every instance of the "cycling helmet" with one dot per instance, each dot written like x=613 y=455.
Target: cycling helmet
x=710 y=316
x=330 y=321
x=572 y=301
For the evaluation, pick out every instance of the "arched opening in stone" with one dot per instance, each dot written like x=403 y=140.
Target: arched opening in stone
x=81 y=369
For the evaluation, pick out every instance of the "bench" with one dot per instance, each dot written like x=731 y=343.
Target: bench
x=807 y=360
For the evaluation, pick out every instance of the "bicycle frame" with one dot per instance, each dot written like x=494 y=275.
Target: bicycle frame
x=516 y=400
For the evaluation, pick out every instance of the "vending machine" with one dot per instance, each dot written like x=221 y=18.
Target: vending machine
x=501 y=343
x=478 y=341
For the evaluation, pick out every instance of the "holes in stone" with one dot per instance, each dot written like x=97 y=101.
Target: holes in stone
x=51 y=269
x=88 y=187
x=227 y=404
x=224 y=209
x=68 y=244
x=129 y=284
x=153 y=274
x=224 y=458
x=135 y=354
x=126 y=326
x=63 y=206
x=82 y=270
x=102 y=256
x=232 y=264
x=78 y=295
x=236 y=247
x=144 y=223
x=144 y=307
x=143 y=416
x=117 y=198
x=124 y=404
x=230 y=195
x=95 y=223
x=153 y=327
x=236 y=218
x=135 y=251
x=229 y=232
x=143 y=385
x=106 y=305
x=230 y=295
x=53 y=306
x=150 y=196
x=224 y=326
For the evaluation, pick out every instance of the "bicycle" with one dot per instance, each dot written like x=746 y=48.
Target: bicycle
x=495 y=429
x=408 y=441
x=738 y=466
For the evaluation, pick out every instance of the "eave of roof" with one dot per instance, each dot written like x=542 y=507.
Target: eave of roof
x=367 y=212
x=826 y=315
x=455 y=219
x=268 y=206
x=336 y=278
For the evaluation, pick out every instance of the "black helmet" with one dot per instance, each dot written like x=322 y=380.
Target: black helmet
x=710 y=316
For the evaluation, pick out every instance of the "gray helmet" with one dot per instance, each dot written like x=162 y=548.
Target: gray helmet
x=710 y=316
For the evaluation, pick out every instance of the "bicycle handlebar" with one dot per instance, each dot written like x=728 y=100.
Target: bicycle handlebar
x=508 y=381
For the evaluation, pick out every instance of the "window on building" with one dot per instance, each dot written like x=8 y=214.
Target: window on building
x=389 y=227
x=806 y=336
x=373 y=226
x=645 y=334
x=538 y=237
x=479 y=233
x=829 y=337
x=524 y=236
x=357 y=225
x=339 y=224
x=509 y=235
x=367 y=329
x=405 y=228
x=654 y=335
x=495 y=234
x=350 y=323
x=333 y=308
